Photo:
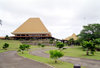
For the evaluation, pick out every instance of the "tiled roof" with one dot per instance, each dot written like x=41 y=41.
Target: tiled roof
x=32 y=25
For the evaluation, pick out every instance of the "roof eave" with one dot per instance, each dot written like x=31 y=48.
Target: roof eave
x=31 y=33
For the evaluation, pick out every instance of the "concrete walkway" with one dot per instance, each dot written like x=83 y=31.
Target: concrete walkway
x=88 y=63
x=10 y=59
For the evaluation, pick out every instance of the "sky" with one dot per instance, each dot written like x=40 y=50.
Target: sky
x=61 y=17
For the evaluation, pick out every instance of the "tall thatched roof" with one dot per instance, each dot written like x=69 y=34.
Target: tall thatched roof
x=31 y=26
x=72 y=36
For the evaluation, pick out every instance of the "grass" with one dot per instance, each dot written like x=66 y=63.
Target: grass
x=78 y=52
x=13 y=45
x=49 y=61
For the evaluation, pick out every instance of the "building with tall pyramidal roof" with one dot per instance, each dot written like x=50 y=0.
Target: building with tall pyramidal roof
x=74 y=36
x=33 y=28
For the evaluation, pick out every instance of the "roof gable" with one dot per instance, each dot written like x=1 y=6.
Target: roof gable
x=74 y=36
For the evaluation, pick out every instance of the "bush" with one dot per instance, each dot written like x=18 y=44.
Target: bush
x=42 y=45
x=7 y=37
x=39 y=44
x=51 y=41
x=71 y=41
x=97 y=48
x=83 y=45
x=96 y=41
x=23 y=47
x=55 y=54
x=5 y=46
x=27 y=46
x=89 y=46
x=60 y=45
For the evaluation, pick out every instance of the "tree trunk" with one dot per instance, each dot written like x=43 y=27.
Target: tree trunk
x=55 y=61
x=22 y=52
x=87 y=52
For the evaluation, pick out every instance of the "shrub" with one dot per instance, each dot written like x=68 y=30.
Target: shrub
x=71 y=41
x=96 y=41
x=89 y=46
x=83 y=45
x=51 y=41
x=39 y=44
x=27 y=46
x=5 y=46
x=7 y=37
x=60 y=45
x=55 y=54
x=97 y=48
x=23 y=47
x=42 y=45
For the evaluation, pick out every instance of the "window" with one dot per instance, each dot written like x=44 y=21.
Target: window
x=23 y=35
x=18 y=35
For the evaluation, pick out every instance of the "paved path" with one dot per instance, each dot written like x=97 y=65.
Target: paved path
x=10 y=59
x=88 y=63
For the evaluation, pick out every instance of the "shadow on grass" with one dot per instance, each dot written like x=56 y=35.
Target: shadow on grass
x=53 y=62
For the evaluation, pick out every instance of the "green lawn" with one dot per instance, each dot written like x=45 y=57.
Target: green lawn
x=60 y=64
x=14 y=44
x=78 y=52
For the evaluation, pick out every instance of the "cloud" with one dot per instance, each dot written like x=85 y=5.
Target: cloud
x=61 y=17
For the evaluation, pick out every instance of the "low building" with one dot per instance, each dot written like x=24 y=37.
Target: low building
x=33 y=28
x=2 y=37
x=74 y=36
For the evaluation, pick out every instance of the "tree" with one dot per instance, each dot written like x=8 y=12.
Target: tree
x=41 y=45
x=55 y=54
x=51 y=41
x=89 y=47
x=71 y=41
x=22 y=48
x=77 y=42
x=5 y=46
x=6 y=37
x=90 y=32
x=0 y=22
x=60 y=45
x=96 y=41
x=27 y=46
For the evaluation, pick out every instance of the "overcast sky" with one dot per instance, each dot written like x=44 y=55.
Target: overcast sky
x=61 y=17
